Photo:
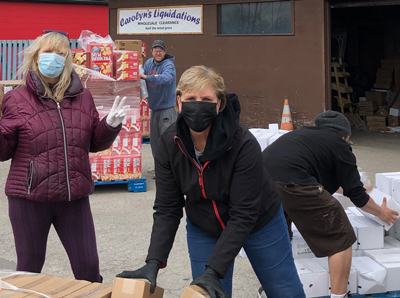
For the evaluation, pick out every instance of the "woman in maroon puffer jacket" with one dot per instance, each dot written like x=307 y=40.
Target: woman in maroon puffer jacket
x=48 y=127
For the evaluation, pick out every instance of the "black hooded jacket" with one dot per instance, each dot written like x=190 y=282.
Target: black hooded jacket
x=229 y=197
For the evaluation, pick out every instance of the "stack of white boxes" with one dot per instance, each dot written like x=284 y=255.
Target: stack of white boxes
x=266 y=137
x=376 y=253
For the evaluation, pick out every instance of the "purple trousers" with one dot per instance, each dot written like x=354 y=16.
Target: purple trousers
x=73 y=221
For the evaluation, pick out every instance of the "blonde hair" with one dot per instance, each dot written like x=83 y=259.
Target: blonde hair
x=197 y=78
x=54 y=40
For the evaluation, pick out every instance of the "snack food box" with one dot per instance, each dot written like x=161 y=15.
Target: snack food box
x=127 y=75
x=121 y=167
x=127 y=143
x=101 y=58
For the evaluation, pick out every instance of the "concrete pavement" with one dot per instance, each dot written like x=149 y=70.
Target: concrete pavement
x=123 y=223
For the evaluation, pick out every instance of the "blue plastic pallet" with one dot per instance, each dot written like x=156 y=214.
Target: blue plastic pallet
x=136 y=185
x=145 y=139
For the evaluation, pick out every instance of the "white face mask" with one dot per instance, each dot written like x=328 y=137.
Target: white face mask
x=51 y=65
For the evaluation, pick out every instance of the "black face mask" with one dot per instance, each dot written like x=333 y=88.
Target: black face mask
x=198 y=115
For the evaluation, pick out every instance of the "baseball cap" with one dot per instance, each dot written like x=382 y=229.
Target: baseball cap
x=158 y=43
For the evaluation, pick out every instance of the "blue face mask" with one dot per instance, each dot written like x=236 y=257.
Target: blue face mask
x=51 y=65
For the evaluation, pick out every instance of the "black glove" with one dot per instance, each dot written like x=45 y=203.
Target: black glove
x=148 y=271
x=210 y=281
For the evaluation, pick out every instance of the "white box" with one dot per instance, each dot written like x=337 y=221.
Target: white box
x=371 y=276
x=383 y=182
x=273 y=127
x=314 y=278
x=257 y=131
x=378 y=196
x=300 y=248
x=390 y=260
x=391 y=242
x=394 y=112
x=369 y=233
x=352 y=282
x=396 y=189
x=263 y=139
x=274 y=138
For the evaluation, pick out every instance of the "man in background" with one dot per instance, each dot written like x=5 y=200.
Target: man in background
x=160 y=76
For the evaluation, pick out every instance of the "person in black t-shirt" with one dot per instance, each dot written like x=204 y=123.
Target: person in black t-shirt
x=310 y=164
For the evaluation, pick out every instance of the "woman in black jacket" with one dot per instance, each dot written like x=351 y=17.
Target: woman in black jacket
x=212 y=165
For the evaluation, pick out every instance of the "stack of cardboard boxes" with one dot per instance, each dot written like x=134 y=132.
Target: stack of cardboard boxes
x=139 y=46
x=27 y=285
x=384 y=75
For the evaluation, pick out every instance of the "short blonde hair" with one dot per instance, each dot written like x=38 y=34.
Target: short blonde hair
x=54 y=40
x=197 y=78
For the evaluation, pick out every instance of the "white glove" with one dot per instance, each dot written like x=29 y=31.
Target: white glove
x=117 y=113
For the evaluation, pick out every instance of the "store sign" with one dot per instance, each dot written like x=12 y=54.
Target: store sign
x=161 y=20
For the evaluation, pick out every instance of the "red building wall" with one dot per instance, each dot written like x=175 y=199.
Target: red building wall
x=23 y=20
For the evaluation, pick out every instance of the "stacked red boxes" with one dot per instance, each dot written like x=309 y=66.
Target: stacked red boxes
x=122 y=160
x=96 y=165
x=121 y=167
x=101 y=58
x=144 y=117
x=126 y=65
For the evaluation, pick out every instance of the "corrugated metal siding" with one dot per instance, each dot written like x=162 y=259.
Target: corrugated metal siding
x=11 y=57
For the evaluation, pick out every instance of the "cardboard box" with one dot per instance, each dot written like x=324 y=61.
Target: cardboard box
x=132 y=120
x=371 y=276
x=390 y=260
x=378 y=197
x=384 y=181
x=194 y=292
x=6 y=86
x=65 y=287
x=394 y=112
x=34 y=283
x=144 y=49
x=384 y=72
x=300 y=248
x=129 y=45
x=121 y=56
x=394 y=120
x=145 y=127
x=144 y=107
x=314 y=278
x=388 y=64
x=101 y=58
x=126 y=75
x=127 y=143
x=96 y=166
x=382 y=111
x=134 y=288
x=121 y=167
x=369 y=233
x=94 y=290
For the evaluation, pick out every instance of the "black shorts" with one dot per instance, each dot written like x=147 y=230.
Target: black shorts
x=319 y=217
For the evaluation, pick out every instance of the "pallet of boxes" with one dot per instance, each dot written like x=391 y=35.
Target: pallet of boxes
x=108 y=72
x=375 y=108
x=139 y=46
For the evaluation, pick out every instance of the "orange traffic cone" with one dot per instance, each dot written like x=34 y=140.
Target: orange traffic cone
x=286 y=123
